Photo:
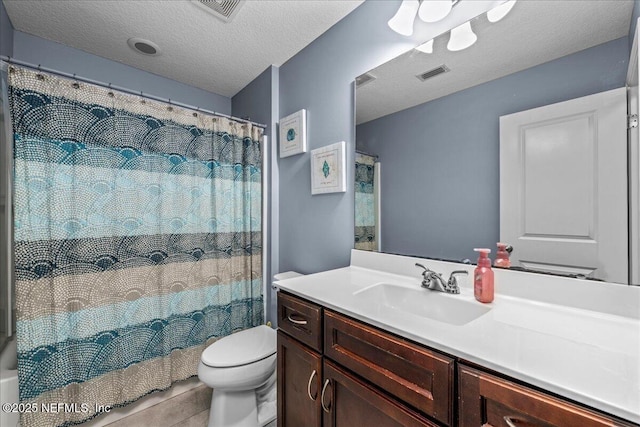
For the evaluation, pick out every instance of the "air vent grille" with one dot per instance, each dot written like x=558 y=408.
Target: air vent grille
x=225 y=10
x=363 y=79
x=434 y=72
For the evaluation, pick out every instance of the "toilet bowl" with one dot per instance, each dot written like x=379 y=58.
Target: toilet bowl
x=241 y=369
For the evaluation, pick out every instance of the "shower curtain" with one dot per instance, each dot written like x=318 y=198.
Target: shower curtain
x=137 y=242
x=365 y=209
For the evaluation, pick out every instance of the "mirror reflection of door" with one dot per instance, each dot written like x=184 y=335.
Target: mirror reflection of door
x=563 y=186
x=367 y=219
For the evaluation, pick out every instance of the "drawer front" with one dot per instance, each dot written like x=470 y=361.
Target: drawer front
x=349 y=402
x=301 y=319
x=487 y=400
x=420 y=377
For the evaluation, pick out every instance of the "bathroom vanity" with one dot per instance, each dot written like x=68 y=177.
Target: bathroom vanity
x=365 y=345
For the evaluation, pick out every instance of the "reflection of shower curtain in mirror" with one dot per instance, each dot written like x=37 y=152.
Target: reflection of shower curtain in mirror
x=365 y=220
x=137 y=242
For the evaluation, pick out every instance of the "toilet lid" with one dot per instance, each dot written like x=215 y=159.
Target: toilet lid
x=241 y=348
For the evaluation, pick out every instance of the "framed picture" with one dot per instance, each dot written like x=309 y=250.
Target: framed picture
x=328 y=169
x=293 y=134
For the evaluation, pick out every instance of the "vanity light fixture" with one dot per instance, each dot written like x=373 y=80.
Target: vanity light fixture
x=461 y=37
x=434 y=10
x=426 y=47
x=402 y=21
x=497 y=13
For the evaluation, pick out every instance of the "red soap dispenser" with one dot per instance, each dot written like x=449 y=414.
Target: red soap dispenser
x=483 y=277
x=502 y=256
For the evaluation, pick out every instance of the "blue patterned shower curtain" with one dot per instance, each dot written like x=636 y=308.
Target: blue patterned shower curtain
x=137 y=242
x=365 y=209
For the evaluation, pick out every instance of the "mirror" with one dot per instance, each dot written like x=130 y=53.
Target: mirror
x=433 y=122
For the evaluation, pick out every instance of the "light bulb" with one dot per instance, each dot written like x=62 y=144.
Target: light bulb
x=434 y=10
x=497 y=13
x=426 y=47
x=402 y=21
x=461 y=37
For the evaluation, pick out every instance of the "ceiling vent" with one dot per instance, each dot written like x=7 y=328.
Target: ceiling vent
x=363 y=79
x=434 y=72
x=224 y=10
x=145 y=47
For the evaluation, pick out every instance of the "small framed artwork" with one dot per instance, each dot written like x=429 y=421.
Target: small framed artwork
x=293 y=134
x=328 y=169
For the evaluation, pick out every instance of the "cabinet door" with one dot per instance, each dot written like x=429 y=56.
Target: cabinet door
x=299 y=381
x=349 y=402
x=489 y=401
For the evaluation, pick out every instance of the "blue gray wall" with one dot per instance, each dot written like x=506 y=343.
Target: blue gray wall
x=59 y=57
x=258 y=101
x=6 y=33
x=316 y=232
x=440 y=160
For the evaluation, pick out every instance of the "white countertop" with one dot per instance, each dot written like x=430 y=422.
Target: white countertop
x=580 y=339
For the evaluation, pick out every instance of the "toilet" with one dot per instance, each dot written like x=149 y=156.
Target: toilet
x=241 y=369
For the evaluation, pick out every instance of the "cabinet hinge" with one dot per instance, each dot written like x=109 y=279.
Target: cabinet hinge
x=632 y=121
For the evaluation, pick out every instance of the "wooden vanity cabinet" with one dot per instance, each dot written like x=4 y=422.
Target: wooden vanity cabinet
x=334 y=371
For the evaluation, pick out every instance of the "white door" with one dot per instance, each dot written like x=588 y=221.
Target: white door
x=563 y=186
x=633 y=106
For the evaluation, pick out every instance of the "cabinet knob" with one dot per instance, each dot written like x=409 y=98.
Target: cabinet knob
x=324 y=389
x=313 y=374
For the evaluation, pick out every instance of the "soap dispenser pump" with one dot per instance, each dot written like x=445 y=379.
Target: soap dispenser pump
x=483 y=277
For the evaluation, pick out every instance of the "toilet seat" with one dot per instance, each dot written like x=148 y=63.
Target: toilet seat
x=241 y=348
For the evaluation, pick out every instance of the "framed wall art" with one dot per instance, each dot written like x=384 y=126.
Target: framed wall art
x=328 y=169
x=293 y=134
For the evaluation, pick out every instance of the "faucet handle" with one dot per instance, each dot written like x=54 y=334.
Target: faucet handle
x=427 y=272
x=452 y=284
x=427 y=275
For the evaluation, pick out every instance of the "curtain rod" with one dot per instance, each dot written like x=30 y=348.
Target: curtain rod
x=366 y=154
x=11 y=60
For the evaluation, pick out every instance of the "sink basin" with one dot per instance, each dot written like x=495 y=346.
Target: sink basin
x=451 y=309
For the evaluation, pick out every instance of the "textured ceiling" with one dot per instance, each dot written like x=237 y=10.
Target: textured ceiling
x=197 y=48
x=534 y=32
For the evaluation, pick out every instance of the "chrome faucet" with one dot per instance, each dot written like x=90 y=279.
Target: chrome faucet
x=434 y=281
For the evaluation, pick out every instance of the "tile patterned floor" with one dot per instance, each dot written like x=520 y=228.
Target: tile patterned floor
x=189 y=409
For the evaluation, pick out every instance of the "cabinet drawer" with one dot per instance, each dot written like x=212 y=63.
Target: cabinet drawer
x=301 y=319
x=349 y=402
x=420 y=377
x=486 y=400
